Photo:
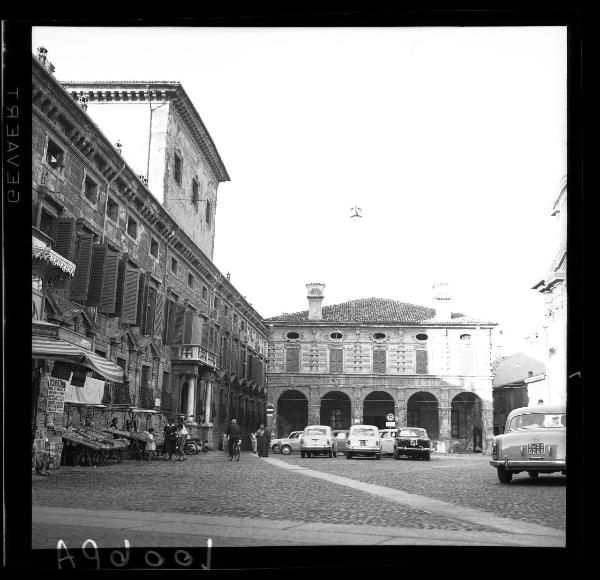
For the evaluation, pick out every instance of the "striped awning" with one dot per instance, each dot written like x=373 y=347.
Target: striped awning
x=56 y=349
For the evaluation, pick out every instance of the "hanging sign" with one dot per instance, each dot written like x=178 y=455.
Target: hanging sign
x=55 y=403
x=270 y=410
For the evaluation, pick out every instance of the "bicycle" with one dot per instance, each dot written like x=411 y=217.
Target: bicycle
x=235 y=452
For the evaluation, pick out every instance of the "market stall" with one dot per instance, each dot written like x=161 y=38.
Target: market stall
x=137 y=441
x=88 y=446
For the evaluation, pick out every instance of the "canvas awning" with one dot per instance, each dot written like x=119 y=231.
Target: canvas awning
x=56 y=349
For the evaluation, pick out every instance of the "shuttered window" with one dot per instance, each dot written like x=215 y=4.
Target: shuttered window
x=149 y=306
x=127 y=292
x=159 y=315
x=109 y=283
x=421 y=368
x=187 y=331
x=466 y=361
x=166 y=321
x=205 y=330
x=178 y=324
x=82 y=272
x=336 y=360
x=65 y=240
x=142 y=294
x=379 y=360
x=292 y=360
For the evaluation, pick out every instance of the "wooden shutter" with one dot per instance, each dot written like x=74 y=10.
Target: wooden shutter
x=292 y=360
x=130 y=294
x=379 y=360
x=167 y=321
x=96 y=274
x=82 y=272
x=142 y=295
x=34 y=214
x=205 y=330
x=178 y=324
x=421 y=362
x=187 y=332
x=109 y=284
x=159 y=315
x=66 y=238
x=148 y=328
x=336 y=360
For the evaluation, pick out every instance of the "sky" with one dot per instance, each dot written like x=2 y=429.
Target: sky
x=451 y=140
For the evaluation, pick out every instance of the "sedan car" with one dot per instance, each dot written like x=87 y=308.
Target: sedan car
x=534 y=440
x=363 y=440
x=412 y=442
x=317 y=440
x=341 y=438
x=287 y=444
x=387 y=436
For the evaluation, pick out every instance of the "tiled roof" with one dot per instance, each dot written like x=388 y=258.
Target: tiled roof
x=515 y=368
x=376 y=310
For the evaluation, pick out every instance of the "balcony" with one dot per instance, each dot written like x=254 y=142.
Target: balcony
x=195 y=353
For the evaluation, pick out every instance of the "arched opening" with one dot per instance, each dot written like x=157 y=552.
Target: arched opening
x=335 y=410
x=466 y=423
x=422 y=411
x=376 y=406
x=183 y=396
x=292 y=412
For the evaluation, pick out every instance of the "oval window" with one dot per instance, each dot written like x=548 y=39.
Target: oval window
x=293 y=335
x=422 y=336
x=379 y=336
x=465 y=337
x=336 y=335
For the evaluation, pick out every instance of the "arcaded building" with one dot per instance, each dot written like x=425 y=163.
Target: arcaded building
x=362 y=360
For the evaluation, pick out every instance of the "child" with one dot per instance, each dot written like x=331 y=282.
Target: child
x=151 y=445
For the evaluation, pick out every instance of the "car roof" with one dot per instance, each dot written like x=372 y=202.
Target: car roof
x=357 y=426
x=310 y=426
x=549 y=409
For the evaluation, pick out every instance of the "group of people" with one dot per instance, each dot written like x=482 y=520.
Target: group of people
x=261 y=438
x=175 y=437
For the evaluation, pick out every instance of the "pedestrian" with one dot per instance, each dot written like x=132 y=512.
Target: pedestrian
x=151 y=445
x=266 y=441
x=234 y=433
x=259 y=440
x=253 y=441
x=181 y=438
x=170 y=438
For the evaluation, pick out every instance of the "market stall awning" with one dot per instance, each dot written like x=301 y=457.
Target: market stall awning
x=56 y=349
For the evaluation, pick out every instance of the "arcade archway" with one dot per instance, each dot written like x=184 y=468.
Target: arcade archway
x=335 y=410
x=375 y=407
x=292 y=412
x=466 y=421
x=422 y=411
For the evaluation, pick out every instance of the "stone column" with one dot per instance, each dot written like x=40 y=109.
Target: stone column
x=400 y=413
x=191 y=400
x=487 y=434
x=314 y=413
x=445 y=428
x=208 y=404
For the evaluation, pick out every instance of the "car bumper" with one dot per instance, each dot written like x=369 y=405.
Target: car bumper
x=364 y=449
x=317 y=449
x=528 y=465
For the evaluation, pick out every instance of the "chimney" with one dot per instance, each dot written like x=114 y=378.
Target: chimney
x=442 y=301
x=315 y=298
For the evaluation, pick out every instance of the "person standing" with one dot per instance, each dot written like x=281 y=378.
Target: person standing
x=234 y=433
x=151 y=445
x=253 y=441
x=181 y=437
x=266 y=441
x=259 y=440
x=170 y=436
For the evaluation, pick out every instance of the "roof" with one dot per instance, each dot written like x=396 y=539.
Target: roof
x=377 y=310
x=515 y=369
x=539 y=409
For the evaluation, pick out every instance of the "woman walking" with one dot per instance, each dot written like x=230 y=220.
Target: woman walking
x=259 y=440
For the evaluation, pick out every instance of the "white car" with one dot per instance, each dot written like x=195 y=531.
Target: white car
x=317 y=440
x=363 y=440
x=287 y=444
x=388 y=437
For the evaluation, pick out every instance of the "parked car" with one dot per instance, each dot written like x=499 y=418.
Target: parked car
x=287 y=444
x=412 y=442
x=387 y=437
x=317 y=440
x=534 y=440
x=341 y=439
x=363 y=440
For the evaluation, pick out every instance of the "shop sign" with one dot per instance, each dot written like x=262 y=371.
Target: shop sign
x=270 y=410
x=55 y=403
x=43 y=330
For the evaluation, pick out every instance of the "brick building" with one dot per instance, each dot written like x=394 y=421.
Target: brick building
x=129 y=280
x=358 y=361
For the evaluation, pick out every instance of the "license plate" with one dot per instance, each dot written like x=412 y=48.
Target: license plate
x=413 y=441
x=536 y=449
x=363 y=442
x=315 y=440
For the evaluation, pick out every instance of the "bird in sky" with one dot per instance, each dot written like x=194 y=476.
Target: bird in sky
x=356 y=211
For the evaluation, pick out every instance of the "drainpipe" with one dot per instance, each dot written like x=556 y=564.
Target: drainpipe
x=108 y=184
x=149 y=134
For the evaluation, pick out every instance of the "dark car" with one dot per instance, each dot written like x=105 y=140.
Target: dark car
x=412 y=442
x=341 y=436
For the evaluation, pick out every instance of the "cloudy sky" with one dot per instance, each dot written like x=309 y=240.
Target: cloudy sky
x=451 y=140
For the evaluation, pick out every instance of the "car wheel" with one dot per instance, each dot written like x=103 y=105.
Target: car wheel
x=302 y=454
x=533 y=474
x=286 y=450
x=275 y=448
x=348 y=455
x=504 y=476
x=427 y=456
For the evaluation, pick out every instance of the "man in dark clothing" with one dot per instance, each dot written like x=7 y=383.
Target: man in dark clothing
x=234 y=433
x=266 y=442
x=170 y=443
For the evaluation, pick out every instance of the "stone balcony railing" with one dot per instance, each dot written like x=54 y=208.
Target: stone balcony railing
x=195 y=353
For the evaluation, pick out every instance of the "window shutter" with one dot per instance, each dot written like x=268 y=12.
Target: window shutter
x=121 y=284
x=205 y=330
x=130 y=295
x=64 y=242
x=109 y=284
x=82 y=272
x=34 y=214
x=159 y=315
x=142 y=295
x=178 y=323
x=379 y=360
x=187 y=333
x=96 y=274
x=149 y=317
x=292 y=356
x=167 y=321
x=421 y=362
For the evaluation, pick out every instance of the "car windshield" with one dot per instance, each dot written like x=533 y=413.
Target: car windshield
x=316 y=431
x=340 y=436
x=412 y=433
x=388 y=434
x=538 y=421
x=364 y=432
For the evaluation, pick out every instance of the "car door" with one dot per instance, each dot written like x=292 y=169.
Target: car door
x=295 y=440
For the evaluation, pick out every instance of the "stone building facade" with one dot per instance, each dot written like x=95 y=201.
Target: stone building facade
x=359 y=361
x=143 y=293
